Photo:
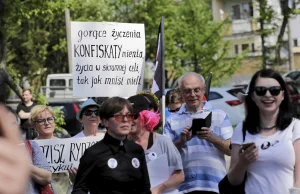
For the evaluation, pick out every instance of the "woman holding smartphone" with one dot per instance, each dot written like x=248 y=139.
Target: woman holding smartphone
x=272 y=162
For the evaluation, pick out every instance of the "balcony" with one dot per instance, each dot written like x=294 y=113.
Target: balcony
x=240 y=27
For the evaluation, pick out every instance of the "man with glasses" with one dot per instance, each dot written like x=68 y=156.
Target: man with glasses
x=203 y=154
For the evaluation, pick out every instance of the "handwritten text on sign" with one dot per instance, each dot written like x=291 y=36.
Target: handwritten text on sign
x=108 y=58
x=63 y=154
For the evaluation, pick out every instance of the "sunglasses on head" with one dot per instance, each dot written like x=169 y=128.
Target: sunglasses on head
x=175 y=110
x=261 y=91
x=120 y=118
x=90 y=112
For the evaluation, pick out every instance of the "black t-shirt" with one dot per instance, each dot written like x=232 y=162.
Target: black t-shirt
x=111 y=168
x=24 y=122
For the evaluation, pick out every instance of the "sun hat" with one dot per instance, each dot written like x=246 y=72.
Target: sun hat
x=85 y=104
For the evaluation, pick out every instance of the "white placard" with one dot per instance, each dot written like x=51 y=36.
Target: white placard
x=63 y=154
x=159 y=172
x=108 y=58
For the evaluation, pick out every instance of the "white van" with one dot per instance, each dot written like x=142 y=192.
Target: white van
x=58 y=86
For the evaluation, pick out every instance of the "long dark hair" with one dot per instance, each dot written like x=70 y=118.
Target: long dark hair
x=284 y=117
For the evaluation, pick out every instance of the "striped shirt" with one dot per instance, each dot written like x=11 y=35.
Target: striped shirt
x=204 y=165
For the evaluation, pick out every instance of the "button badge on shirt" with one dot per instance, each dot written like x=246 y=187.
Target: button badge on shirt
x=152 y=156
x=265 y=145
x=135 y=163
x=112 y=163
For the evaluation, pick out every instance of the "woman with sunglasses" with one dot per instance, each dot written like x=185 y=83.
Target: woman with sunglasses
x=42 y=120
x=272 y=162
x=154 y=144
x=114 y=164
x=88 y=115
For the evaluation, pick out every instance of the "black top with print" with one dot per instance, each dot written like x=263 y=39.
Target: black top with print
x=108 y=167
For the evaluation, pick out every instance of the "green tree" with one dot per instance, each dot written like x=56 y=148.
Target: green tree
x=199 y=42
x=274 y=24
x=36 y=36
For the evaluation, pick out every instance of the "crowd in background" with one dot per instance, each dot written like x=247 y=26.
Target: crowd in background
x=264 y=148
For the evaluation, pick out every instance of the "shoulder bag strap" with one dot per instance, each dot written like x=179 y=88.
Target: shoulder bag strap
x=29 y=148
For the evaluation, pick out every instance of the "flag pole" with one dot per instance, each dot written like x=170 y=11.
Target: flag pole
x=158 y=83
x=163 y=104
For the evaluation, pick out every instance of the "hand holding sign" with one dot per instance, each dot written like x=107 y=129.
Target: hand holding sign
x=14 y=166
x=72 y=174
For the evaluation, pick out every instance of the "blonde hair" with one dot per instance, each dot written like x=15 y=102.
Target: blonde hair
x=37 y=110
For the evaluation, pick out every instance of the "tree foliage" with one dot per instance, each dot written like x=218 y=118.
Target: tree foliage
x=272 y=23
x=36 y=35
x=200 y=43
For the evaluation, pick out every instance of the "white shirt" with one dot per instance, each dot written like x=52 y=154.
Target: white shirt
x=273 y=172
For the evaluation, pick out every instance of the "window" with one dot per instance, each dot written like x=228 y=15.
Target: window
x=245 y=46
x=293 y=89
x=70 y=84
x=242 y=11
x=236 y=48
x=294 y=75
x=253 y=47
x=295 y=42
x=235 y=91
x=55 y=83
x=214 y=96
x=245 y=11
x=236 y=12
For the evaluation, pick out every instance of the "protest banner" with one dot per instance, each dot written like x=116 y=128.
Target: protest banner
x=62 y=154
x=108 y=58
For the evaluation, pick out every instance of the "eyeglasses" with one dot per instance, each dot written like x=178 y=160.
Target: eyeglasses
x=175 y=110
x=261 y=91
x=120 y=118
x=190 y=91
x=90 y=112
x=43 y=121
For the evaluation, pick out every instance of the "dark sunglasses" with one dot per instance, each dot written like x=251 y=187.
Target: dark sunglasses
x=261 y=91
x=175 y=110
x=43 y=121
x=120 y=118
x=90 y=112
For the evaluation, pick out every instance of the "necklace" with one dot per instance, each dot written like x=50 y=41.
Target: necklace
x=267 y=127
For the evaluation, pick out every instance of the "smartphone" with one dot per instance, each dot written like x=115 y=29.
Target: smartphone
x=198 y=123
x=247 y=145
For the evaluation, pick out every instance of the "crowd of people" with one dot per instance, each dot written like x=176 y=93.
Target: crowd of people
x=264 y=147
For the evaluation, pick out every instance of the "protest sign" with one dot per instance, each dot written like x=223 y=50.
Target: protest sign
x=108 y=58
x=159 y=172
x=62 y=154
